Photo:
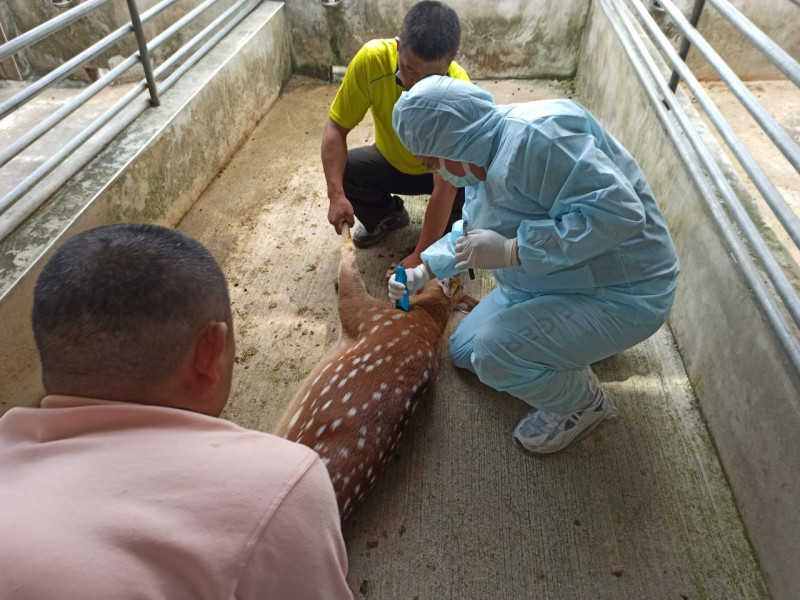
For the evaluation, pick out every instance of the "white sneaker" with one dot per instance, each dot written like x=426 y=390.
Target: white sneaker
x=541 y=432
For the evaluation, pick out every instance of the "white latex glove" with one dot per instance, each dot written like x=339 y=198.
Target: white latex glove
x=486 y=249
x=416 y=277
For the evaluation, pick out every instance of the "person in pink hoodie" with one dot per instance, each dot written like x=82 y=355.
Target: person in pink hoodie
x=125 y=483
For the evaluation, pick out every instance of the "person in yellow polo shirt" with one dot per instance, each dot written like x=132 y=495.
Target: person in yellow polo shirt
x=364 y=182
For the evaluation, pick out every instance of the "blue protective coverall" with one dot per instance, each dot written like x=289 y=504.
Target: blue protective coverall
x=598 y=270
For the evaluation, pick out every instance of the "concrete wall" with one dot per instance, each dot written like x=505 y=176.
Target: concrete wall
x=523 y=38
x=504 y=38
x=153 y=173
x=748 y=393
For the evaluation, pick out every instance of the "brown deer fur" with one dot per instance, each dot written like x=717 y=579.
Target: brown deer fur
x=356 y=403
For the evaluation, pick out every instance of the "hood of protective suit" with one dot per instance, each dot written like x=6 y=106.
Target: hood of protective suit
x=448 y=118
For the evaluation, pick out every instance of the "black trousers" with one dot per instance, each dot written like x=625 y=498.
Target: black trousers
x=370 y=182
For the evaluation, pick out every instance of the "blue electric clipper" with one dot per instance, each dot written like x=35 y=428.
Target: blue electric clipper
x=400 y=277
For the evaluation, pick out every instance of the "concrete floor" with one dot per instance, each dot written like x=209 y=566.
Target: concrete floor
x=639 y=510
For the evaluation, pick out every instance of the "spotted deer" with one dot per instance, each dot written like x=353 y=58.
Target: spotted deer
x=356 y=403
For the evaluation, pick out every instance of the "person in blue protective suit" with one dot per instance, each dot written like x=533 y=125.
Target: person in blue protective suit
x=563 y=216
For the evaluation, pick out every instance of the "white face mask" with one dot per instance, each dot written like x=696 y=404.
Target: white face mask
x=467 y=180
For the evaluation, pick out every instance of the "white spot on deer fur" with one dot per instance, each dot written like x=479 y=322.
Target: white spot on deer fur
x=376 y=395
x=363 y=430
x=336 y=424
x=361 y=442
x=342 y=383
x=370 y=368
x=356 y=360
x=339 y=367
x=398 y=316
x=405 y=332
x=353 y=373
x=351 y=412
x=336 y=477
x=408 y=403
x=384 y=386
x=319 y=446
x=346 y=397
x=378 y=347
x=326 y=460
x=387 y=323
x=398 y=391
x=310 y=422
x=376 y=317
x=327 y=404
x=364 y=406
x=325 y=390
x=321 y=430
x=358 y=487
x=295 y=417
x=346 y=504
x=343 y=452
x=334 y=378
x=374 y=329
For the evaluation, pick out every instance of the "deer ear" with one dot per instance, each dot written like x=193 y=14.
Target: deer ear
x=466 y=304
x=449 y=286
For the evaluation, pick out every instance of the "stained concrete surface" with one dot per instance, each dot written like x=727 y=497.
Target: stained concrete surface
x=638 y=510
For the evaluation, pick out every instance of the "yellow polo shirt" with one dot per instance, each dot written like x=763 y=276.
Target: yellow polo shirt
x=369 y=83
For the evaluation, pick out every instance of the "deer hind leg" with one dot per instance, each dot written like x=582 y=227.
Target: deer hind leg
x=354 y=300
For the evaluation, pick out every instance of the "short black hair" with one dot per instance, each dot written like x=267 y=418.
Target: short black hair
x=431 y=30
x=125 y=302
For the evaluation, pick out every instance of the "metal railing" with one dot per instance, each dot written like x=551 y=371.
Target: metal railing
x=750 y=251
x=19 y=204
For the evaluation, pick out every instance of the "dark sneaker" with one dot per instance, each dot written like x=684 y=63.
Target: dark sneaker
x=541 y=432
x=394 y=220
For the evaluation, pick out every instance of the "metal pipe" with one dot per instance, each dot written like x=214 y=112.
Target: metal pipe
x=775 y=132
x=59 y=115
x=195 y=58
x=55 y=118
x=740 y=254
x=749 y=230
x=76 y=62
x=697 y=10
x=22 y=210
x=776 y=55
x=144 y=55
x=771 y=195
x=48 y=27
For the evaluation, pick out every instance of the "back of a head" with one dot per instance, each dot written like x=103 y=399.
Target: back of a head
x=124 y=304
x=431 y=30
